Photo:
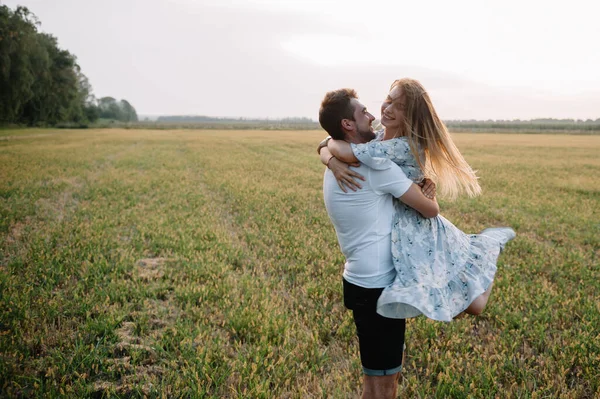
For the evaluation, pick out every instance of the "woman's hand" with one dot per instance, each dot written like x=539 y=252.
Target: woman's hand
x=345 y=176
x=428 y=188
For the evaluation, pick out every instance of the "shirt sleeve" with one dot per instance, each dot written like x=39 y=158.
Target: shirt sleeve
x=389 y=181
x=380 y=154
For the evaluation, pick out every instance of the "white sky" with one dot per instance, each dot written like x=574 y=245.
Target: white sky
x=276 y=58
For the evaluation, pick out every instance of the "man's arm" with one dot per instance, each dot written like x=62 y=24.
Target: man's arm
x=415 y=198
x=394 y=181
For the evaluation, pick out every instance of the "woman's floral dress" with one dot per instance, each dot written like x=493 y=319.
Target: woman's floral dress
x=440 y=269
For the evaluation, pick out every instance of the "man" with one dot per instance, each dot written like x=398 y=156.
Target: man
x=363 y=224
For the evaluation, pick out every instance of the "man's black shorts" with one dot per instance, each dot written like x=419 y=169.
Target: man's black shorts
x=380 y=339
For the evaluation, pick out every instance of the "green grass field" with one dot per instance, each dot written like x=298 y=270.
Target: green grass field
x=203 y=264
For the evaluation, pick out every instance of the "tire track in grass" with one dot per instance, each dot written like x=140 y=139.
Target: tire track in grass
x=135 y=365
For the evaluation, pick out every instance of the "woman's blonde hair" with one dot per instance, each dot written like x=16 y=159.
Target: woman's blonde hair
x=443 y=162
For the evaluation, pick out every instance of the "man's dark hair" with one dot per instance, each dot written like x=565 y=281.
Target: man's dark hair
x=335 y=107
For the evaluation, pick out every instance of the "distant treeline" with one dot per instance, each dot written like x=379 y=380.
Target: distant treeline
x=212 y=119
x=217 y=123
x=109 y=108
x=531 y=126
x=534 y=125
x=42 y=84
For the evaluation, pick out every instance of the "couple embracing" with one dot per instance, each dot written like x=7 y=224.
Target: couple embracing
x=403 y=259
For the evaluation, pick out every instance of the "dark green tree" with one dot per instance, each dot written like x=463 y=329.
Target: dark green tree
x=18 y=42
x=40 y=83
x=128 y=112
x=109 y=108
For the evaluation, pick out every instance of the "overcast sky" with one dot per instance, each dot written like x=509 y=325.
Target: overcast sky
x=276 y=58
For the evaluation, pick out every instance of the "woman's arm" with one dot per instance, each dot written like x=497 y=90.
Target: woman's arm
x=379 y=154
x=325 y=156
x=323 y=144
x=342 y=172
x=342 y=151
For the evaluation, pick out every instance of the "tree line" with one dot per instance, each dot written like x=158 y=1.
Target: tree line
x=42 y=84
x=203 y=118
x=545 y=124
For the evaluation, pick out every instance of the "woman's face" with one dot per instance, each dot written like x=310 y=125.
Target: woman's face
x=392 y=109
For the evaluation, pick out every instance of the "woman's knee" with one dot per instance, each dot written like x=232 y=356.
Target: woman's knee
x=477 y=306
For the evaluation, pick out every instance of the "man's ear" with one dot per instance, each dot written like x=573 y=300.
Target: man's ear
x=347 y=124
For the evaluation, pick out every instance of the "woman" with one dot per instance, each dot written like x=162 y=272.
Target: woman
x=441 y=271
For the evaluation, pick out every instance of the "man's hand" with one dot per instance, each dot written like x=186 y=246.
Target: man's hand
x=415 y=198
x=428 y=188
x=344 y=175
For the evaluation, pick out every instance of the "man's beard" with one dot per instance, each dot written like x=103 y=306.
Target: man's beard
x=366 y=135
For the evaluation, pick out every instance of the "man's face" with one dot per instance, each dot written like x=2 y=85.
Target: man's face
x=362 y=121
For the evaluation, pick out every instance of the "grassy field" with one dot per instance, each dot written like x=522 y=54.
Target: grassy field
x=203 y=264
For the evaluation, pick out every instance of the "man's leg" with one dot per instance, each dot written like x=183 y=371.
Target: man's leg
x=380 y=387
x=381 y=342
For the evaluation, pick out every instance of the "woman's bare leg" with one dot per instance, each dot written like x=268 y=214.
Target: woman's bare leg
x=477 y=306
